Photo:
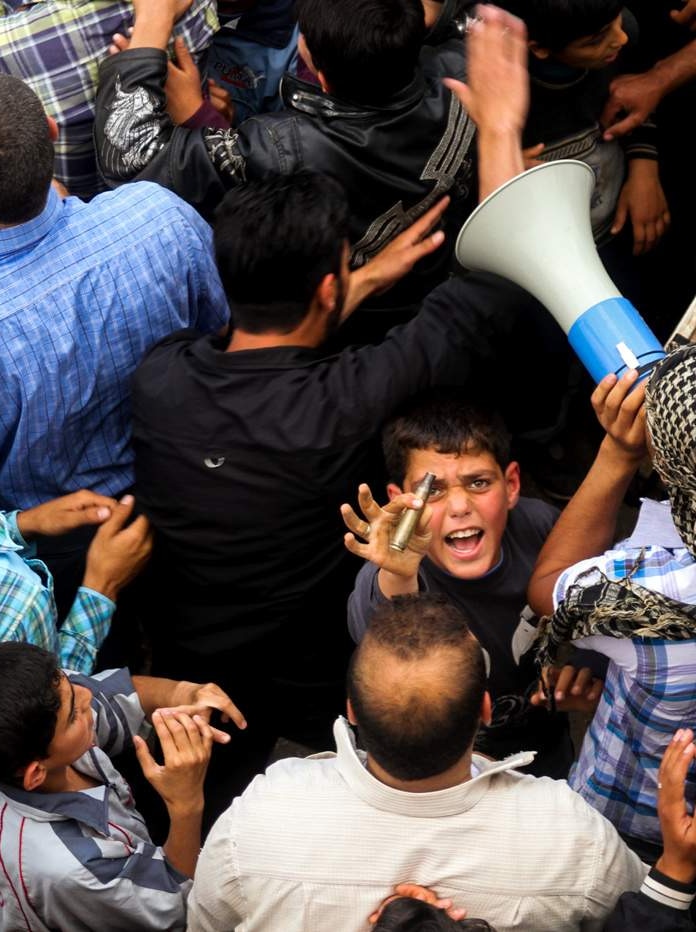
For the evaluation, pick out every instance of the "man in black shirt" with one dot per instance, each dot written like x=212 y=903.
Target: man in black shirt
x=247 y=446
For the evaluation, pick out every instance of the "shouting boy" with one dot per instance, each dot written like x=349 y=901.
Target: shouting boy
x=477 y=542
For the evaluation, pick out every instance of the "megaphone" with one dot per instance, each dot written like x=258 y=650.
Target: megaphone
x=535 y=230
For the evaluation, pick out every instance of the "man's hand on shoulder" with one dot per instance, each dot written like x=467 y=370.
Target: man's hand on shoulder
x=66 y=513
x=396 y=259
x=118 y=553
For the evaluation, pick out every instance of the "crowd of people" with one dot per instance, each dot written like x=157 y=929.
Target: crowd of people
x=235 y=342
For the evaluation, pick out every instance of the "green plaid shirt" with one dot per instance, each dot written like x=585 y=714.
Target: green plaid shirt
x=55 y=46
x=28 y=610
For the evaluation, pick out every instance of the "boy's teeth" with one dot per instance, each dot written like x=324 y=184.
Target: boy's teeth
x=472 y=532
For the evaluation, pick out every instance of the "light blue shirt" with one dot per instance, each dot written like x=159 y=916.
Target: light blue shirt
x=87 y=289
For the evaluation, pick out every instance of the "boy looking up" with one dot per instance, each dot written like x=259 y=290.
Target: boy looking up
x=75 y=851
x=573 y=46
x=476 y=543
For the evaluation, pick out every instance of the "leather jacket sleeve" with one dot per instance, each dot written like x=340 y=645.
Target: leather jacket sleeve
x=136 y=139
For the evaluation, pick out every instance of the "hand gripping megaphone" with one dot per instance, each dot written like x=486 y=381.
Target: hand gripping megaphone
x=535 y=230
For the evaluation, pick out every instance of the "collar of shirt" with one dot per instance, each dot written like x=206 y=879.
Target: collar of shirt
x=25 y=235
x=351 y=765
x=90 y=807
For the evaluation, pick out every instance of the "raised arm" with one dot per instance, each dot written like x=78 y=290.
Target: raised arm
x=496 y=94
x=587 y=525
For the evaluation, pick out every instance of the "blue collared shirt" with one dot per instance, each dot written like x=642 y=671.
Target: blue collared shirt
x=86 y=290
x=28 y=609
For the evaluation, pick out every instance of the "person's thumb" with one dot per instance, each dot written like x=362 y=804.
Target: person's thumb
x=620 y=218
x=148 y=765
x=627 y=125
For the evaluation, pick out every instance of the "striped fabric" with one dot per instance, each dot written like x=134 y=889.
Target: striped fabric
x=84 y=860
x=316 y=844
x=28 y=610
x=649 y=692
x=55 y=46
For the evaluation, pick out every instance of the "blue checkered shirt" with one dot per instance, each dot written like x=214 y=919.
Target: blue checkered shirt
x=649 y=692
x=28 y=610
x=86 y=290
x=55 y=46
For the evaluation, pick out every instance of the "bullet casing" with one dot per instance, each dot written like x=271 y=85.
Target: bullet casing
x=409 y=519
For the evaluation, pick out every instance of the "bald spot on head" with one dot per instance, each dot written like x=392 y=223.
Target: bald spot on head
x=409 y=688
x=416 y=685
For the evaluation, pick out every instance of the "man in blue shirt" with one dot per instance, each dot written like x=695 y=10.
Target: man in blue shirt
x=86 y=289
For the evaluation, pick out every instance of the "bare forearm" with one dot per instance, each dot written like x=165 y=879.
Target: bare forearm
x=152 y=29
x=156 y=692
x=500 y=158
x=183 y=843
x=676 y=69
x=587 y=525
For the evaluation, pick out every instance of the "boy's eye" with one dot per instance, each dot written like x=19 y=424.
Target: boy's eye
x=436 y=492
x=480 y=484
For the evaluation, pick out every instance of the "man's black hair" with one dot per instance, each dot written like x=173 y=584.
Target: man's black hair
x=29 y=705
x=274 y=242
x=366 y=49
x=407 y=914
x=554 y=24
x=446 y=422
x=419 y=732
x=26 y=152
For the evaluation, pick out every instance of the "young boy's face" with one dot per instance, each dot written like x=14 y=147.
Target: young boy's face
x=470 y=502
x=74 y=734
x=596 y=51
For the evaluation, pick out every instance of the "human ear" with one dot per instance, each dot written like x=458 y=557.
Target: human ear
x=325 y=295
x=52 y=128
x=512 y=484
x=538 y=51
x=33 y=776
x=393 y=490
x=350 y=714
x=486 y=709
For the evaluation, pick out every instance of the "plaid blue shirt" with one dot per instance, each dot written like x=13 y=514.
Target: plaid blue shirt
x=86 y=290
x=55 y=46
x=649 y=692
x=28 y=610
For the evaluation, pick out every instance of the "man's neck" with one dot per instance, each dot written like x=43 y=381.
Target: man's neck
x=241 y=340
x=454 y=776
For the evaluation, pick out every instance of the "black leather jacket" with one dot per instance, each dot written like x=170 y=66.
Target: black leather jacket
x=394 y=160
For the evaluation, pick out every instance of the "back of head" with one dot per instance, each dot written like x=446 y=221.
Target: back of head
x=447 y=423
x=274 y=242
x=407 y=914
x=416 y=684
x=554 y=24
x=29 y=704
x=670 y=407
x=366 y=49
x=26 y=152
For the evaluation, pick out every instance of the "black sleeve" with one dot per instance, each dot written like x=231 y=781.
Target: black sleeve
x=136 y=139
x=649 y=909
x=455 y=338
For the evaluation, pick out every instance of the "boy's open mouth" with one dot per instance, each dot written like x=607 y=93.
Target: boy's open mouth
x=464 y=542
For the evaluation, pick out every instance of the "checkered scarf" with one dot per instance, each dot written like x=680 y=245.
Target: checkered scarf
x=670 y=406
x=618 y=609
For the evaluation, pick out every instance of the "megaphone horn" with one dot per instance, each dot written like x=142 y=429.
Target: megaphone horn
x=535 y=230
